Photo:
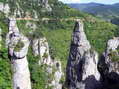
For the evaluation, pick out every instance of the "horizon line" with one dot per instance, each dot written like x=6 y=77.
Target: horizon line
x=89 y=2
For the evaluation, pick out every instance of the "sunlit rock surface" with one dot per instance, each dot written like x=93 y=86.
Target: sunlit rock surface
x=41 y=48
x=21 y=74
x=4 y=8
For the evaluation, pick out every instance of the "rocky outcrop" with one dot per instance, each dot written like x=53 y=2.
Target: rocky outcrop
x=4 y=8
x=46 y=5
x=109 y=65
x=32 y=28
x=81 y=72
x=56 y=75
x=21 y=75
x=41 y=48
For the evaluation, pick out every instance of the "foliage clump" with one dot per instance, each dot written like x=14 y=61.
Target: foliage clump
x=19 y=46
x=114 y=55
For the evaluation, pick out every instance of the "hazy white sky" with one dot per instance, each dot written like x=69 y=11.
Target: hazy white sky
x=87 y=1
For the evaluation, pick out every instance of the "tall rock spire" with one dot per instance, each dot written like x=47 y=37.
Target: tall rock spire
x=81 y=69
x=21 y=75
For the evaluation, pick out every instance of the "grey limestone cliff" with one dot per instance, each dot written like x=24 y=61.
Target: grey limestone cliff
x=21 y=74
x=81 y=72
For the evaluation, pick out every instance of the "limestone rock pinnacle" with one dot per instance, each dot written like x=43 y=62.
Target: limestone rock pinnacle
x=81 y=69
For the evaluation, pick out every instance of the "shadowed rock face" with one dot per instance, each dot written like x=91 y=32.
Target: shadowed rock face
x=81 y=72
x=109 y=69
x=21 y=75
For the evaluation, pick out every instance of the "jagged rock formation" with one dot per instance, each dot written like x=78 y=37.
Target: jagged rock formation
x=40 y=47
x=46 y=5
x=57 y=75
x=21 y=75
x=31 y=26
x=81 y=72
x=18 y=12
x=4 y=8
x=109 y=65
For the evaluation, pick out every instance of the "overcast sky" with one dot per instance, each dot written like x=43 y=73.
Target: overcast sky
x=87 y=1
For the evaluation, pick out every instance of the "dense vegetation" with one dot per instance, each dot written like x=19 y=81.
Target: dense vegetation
x=58 y=34
x=5 y=71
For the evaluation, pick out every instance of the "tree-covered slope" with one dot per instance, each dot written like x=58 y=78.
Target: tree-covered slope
x=58 y=34
x=107 y=12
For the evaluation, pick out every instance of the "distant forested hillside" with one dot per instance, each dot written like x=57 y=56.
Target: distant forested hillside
x=106 y=12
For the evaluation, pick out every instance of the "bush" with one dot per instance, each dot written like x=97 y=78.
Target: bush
x=19 y=46
x=114 y=56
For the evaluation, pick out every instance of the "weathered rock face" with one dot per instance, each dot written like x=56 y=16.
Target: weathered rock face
x=81 y=69
x=57 y=75
x=41 y=48
x=46 y=5
x=21 y=75
x=109 y=65
x=113 y=46
x=18 y=12
x=4 y=8
x=31 y=25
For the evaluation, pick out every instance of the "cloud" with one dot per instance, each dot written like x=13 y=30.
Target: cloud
x=70 y=1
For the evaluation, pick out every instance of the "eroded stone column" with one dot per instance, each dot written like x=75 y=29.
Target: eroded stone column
x=18 y=56
x=81 y=72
